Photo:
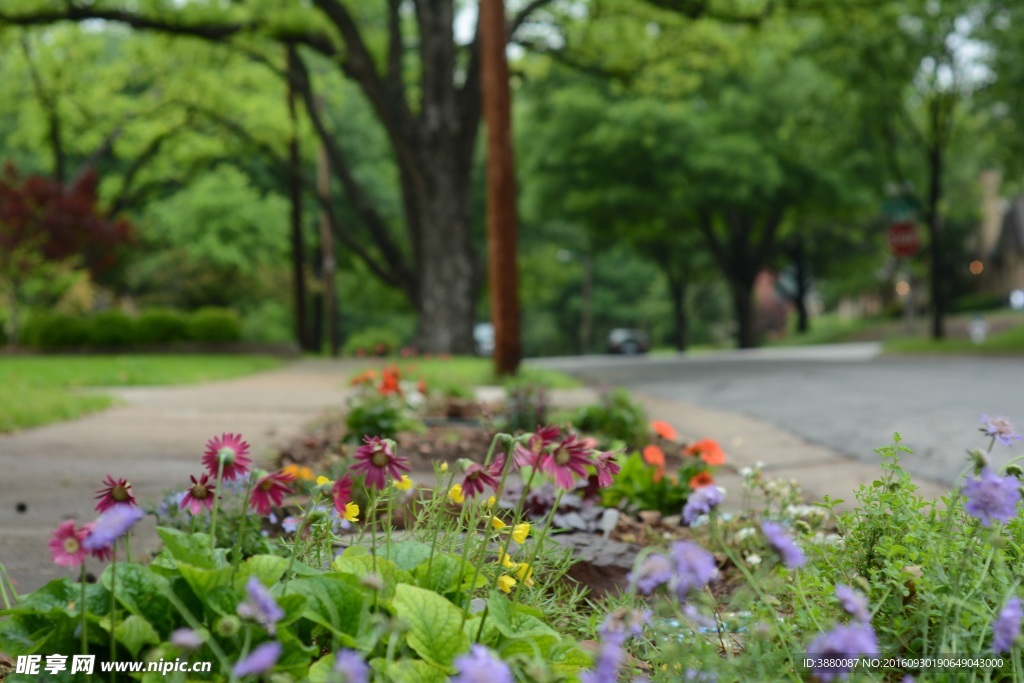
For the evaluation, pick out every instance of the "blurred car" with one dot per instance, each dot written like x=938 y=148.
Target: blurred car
x=628 y=341
x=483 y=339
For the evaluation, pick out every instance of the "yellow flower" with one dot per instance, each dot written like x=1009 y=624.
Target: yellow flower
x=444 y=467
x=506 y=583
x=455 y=494
x=506 y=561
x=403 y=484
x=298 y=472
x=321 y=480
x=525 y=573
x=498 y=524
x=520 y=532
x=351 y=512
x=491 y=501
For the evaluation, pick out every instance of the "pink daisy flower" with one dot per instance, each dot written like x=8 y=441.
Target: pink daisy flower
x=198 y=496
x=477 y=477
x=270 y=490
x=606 y=467
x=539 y=441
x=232 y=451
x=66 y=544
x=379 y=462
x=569 y=458
x=114 y=492
x=341 y=492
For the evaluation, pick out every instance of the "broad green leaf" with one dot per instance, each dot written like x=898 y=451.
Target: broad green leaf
x=322 y=670
x=408 y=555
x=143 y=593
x=361 y=566
x=193 y=549
x=567 y=657
x=134 y=632
x=444 y=572
x=415 y=671
x=335 y=601
x=203 y=581
x=267 y=568
x=435 y=624
x=531 y=648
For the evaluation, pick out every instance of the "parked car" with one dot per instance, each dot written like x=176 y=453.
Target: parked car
x=627 y=341
x=483 y=339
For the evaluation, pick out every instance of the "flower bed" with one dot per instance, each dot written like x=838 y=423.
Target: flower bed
x=474 y=588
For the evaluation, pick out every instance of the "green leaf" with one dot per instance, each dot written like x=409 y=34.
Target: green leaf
x=567 y=657
x=415 y=671
x=322 y=670
x=531 y=648
x=408 y=555
x=267 y=568
x=134 y=632
x=334 y=601
x=142 y=593
x=193 y=549
x=203 y=581
x=435 y=624
x=362 y=565
x=444 y=572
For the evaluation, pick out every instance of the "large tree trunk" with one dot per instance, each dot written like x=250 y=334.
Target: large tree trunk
x=298 y=247
x=745 y=308
x=935 y=251
x=680 y=326
x=799 y=254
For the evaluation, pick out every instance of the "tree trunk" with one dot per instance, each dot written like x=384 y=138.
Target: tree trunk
x=13 y=324
x=803 y=321
x=935 y=163
x=745 y=309
x=680 y=323
x=295 y=196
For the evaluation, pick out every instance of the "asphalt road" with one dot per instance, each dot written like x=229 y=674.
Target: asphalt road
x=846 y=397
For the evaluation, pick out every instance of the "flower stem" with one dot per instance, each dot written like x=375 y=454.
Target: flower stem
x=437 y=525
x=387 y=529
x=237 y=559
x=540 y=541
x=216 y=504
x=113 y=609
x=81 y=610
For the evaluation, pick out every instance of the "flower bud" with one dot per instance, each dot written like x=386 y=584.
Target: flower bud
x=228 y=626
x=508 y=443
x=1014 y=471
x=374 y=582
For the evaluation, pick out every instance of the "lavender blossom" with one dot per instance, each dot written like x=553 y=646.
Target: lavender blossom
x=694 y=567
x=186 y=639
x=259 y=661
x=840 y=645
x=481 y=666
x=351 y=666
x=654 y=571
x=854 y=602
x=701 y=502
x=782 y=543
x=260 y=607
x=991 y=497
x=1006 y=627
x=623 y=624
x=112 y=524
x=1000 y=429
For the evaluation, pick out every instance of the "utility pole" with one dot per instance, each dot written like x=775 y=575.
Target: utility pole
x=323 y=188
x=502 y=247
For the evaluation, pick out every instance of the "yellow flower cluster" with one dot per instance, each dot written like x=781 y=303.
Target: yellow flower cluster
x=455 y=494
x=298 y=472
x=521 y=569
x=403 y=484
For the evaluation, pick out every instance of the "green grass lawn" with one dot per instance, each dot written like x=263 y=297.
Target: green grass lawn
x=36 y=390
x=469 y=371
x=1008 y=342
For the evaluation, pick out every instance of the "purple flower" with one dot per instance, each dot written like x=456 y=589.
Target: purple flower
x=1000 y=429
x=623 y=624
x=186 y=639
x=351 y=666
x=259 y=661
x=606 y=666
x=854 y=602
x=654 y=571
x=1006 y=627
x=701 y=501
x=992 y=497
x=260 y=607
x=782 y=543
x=112 y=525
x=699 y=676
x=842 y=644
x=694 y=567
x=479 y=666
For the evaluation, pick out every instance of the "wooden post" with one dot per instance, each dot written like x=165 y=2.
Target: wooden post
x=502 y=247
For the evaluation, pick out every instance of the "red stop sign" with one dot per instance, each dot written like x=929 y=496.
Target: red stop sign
x=903 y=239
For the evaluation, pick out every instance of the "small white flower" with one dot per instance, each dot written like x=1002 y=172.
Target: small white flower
x=753 y=559
x=745 y=533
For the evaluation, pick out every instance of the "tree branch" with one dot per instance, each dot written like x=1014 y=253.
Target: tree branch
x=523 y=15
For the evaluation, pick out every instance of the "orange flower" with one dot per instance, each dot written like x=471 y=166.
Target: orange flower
x=366 y=377
x=663 y=429
x=701 y=479
x=708 y=450
x=422 y=386
x=656 y=457
x=389 y=382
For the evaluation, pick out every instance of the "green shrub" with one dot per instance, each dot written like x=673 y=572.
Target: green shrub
x=214 y=325
x=373 y=341
x=617 y=418
x=383 y=416
x=526 y=406
x=111 y=328
x=56 y=331
x=978 y=303
x=161 y=326
x=270 y=322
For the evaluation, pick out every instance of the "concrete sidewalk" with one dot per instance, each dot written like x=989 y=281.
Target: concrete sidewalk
x=155 y=439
